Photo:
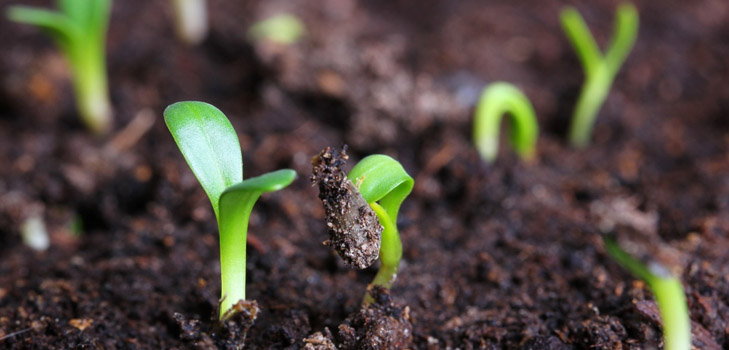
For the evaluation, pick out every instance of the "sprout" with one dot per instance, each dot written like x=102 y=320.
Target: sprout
x=283 y=29
x=599 y=71
x=79 y=30
x=384 y=184
x=210 y=146
x=496 y=100
x=191 y=22
x=668 y=292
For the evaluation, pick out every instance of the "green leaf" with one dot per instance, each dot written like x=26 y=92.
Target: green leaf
x=284 y=29
x=381 y=178
x=209 y=144
x=60 y=27
x=236 y=204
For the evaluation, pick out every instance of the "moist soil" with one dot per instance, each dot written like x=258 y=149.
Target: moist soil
x=500 y=256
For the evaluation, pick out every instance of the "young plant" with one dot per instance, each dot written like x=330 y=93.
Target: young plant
x=284 y=29
x=668 y=292
x=384 y=184
x=599 y=71
x=496 y=100
x=79 y=30
x=210 y=146
x=191 y=20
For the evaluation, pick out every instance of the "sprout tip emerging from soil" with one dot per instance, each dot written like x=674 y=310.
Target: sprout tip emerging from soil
x=599 y=70
x=496 y=100
x=668 y=292
x=375 y=187
x=79 y=30
x=191 y=20
x=284 y=29
x=210 y=146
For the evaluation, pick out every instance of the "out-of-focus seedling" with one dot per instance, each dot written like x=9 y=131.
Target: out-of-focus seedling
x=210 y=146
x=374 y=188
x=79 y=30
x=668 y=292
x=599 y=70
x=496 y=100
x=191 y=20
x=284 y=29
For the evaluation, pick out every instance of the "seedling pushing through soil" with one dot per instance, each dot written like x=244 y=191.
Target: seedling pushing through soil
x=599 y=70
x=79 y=30
x=384 y=184
x=668 y=292
x=191 y=20
x=496 y=100
x=211 y=148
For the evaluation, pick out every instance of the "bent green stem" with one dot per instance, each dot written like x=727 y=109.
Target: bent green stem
x=496 y=100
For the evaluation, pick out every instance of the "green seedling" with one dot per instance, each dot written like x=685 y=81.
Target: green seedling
x=599 y=70
x=384 y=184
x=191 y=20
x=210 y=146
x=79 y=30
x=283 y=29
x=669 y=295
x=496 y=100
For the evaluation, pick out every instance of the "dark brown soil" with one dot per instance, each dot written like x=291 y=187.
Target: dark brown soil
x=506 y=256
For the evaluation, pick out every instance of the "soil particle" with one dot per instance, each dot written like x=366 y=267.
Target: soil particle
x=319 y=341
x=229 y=334
x=381 y=325
x=354 y=230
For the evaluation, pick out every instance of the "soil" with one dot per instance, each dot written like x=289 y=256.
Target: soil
x=501 y=256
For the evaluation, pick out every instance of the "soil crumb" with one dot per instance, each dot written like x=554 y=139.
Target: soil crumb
x=354 y=230
x=380 y=325
x=229 y=334
x=319 y=341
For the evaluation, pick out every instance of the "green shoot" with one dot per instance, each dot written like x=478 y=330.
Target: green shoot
x=496 y=100
x=191 y=21
x=79 y=30
x=284 y=29
x=210 y=146
x=669 y=296
x=599 y=71
x=384 y=184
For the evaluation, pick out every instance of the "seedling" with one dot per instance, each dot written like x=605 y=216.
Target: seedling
x=284 y=29
x=191 y=20
x=79 y=30
x=496 y=100
x=384 y=184
x=668 y=292
x=599 y=71
x=210 y=146
x=375 y=187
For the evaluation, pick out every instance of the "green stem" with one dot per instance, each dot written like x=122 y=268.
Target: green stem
x=91 y=88
x=592 y=96
x=233 y=234
x=390 y=252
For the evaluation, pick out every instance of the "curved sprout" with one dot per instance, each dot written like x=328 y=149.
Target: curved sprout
x=191 y=20
x=599 y=70
x=668 y=292
x=496 y=100
x=384 y=184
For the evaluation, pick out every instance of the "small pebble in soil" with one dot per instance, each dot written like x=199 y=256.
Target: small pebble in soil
x=354 y=230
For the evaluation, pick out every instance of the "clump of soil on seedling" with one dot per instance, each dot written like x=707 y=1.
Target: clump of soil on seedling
x=354 y=230
x=380 y=325
x=229 y=333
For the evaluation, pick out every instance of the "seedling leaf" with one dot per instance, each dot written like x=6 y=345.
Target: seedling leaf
x=209 y=144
